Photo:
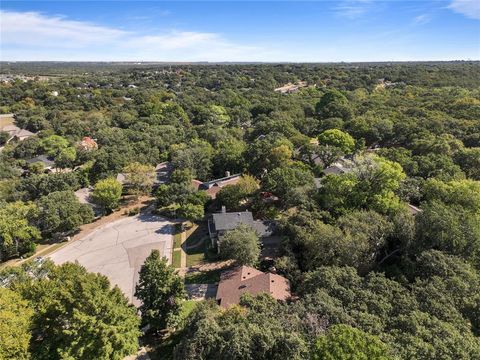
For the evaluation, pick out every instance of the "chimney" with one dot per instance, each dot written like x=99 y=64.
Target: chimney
x=224 y=209
x=227 y=173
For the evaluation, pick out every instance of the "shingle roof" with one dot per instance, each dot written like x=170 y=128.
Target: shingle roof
x=43 y=159
x=244 y=279
x=229 y=221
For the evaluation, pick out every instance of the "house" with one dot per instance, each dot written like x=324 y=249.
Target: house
x=341 y=166
x=84 y=196
x=88 y=144
x=291 y=88
x=244 y=279
x=48 y=164
x=15 y=133
x=225 y=221
x=212 y=187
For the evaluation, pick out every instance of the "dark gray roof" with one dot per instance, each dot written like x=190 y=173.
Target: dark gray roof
x=229 y=221
x=42 y=158
x=209 y=184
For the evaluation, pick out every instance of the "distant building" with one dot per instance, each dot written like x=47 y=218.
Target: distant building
x=290 y=88
x=16 y=134
x=88 y=144
x=225 y=221
x=244 y=279
x=212 y=187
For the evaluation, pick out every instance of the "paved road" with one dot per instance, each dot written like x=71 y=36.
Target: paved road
x=118 y=249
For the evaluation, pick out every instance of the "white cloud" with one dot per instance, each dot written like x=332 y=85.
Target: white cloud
x=35 y=36
x=469 y=8
x=422 y=19
x=353 y=9
x=30 y=28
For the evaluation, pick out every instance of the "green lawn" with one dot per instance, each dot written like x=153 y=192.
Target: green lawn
x=177 y=241
x=203 y=277
x=187 y=308
x=200 y=240
x=177 y=258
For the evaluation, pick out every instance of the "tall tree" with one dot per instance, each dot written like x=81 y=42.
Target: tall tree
x=161 y=291
x=78 y=315
x=139 y=178
x=338 y=139
x=15 y=325
x=61 y=211
x=107 y=193
x=17 y=231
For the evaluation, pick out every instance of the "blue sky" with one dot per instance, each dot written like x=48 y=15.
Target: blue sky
x=313 y=31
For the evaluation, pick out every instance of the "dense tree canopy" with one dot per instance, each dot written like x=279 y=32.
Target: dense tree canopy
x=383 y=246
x=77 y=314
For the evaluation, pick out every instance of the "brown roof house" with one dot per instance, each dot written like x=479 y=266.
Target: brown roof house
x=244 y=279
x=88 y=144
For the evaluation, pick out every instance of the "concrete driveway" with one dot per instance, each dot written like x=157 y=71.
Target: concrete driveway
x=118 y=249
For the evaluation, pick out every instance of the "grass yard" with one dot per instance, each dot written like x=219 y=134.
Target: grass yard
x=177 y=258
x=177 y=240
x=187 y=308
x=197 y=244
x=203 y=277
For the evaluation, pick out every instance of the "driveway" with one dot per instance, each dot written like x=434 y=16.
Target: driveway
x=118 y=249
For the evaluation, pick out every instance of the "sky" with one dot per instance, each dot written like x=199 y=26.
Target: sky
x=269 y=31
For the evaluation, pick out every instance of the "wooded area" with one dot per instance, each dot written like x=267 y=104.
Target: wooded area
x=371 y=172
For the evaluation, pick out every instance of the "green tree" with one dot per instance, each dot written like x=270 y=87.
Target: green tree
x=229 y=156
x=107 y=193
x=241 y=244
x=101 y=323
x=191 y=212
x=333 y=104
x=257 y=329
x=370 y=183
x=196 y=156
x=234 y=196
x=337 y=138
x=66 y=157
x=17 y=231
x=343 y=342
x=282 y=179
x=4 y=136
x=53 y=145
x=15 y=325
x=161 y=291
x=452 y=229
x=61 y=212
x=139 y=178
